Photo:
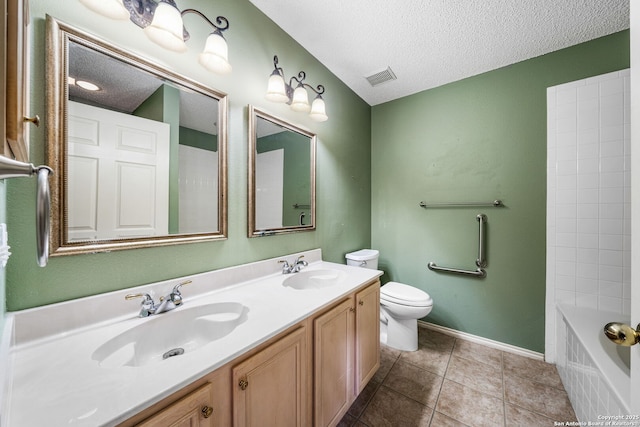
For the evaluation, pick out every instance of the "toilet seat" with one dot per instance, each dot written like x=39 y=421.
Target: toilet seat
x=402 y=294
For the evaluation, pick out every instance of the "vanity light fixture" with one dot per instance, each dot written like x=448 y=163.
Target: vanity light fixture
x=162 y=22
x=278 y=90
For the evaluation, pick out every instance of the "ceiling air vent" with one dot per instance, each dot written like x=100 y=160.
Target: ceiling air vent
x=381 y=77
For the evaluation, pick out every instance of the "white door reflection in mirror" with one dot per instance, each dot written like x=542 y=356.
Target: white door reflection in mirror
x=118 y=176
x=269 y=189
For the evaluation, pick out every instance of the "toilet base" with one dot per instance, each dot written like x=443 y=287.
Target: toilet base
x=399 y=334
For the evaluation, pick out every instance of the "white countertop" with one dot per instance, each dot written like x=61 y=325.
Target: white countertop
x=54 y=381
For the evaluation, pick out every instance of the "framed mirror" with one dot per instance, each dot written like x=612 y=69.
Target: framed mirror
x=282 y=176
x=139 y=152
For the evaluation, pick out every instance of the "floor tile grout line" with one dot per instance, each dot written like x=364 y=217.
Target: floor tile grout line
x=444 y=377
x=376 y=391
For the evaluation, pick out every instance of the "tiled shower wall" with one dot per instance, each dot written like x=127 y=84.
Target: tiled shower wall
x=588 y=197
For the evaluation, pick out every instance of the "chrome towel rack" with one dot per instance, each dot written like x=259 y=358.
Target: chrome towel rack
x=495 y=204
x=10 y=168
x=481 y=261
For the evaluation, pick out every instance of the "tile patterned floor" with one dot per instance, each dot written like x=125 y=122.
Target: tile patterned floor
x=451 y=382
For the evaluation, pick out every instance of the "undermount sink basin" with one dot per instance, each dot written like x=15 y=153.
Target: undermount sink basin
x=170 y=334
x=314 y=279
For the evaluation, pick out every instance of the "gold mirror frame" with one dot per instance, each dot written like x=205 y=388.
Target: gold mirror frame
x=15 y=66
x=58 y=37
x=254 y=231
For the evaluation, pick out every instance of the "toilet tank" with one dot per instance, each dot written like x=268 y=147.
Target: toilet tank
x=367 y=258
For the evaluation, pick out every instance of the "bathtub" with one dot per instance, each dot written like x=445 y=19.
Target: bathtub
x=595 y=372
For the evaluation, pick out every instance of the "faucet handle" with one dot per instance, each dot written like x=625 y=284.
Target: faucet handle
x=147 y=306
x=147 y=297
x=285 y=262
x=176 y=288
x=175 y=295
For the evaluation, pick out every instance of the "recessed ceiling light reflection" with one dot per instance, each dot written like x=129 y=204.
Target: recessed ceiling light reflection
x=72 y=81
x=87 y=85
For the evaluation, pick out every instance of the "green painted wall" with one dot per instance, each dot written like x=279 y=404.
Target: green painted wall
x=195 y=138
x=482 y=138
x=343 y=157
x=3 y=218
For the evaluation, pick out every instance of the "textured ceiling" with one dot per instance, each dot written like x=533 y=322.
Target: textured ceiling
x=124 y=88
x=428 y=43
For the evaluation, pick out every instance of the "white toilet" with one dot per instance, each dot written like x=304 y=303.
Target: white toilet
x=400 y=305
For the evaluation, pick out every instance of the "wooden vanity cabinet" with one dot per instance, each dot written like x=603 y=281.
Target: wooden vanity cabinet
x=334 y=363
x=367 y=334
x=307 y=375
x=346 y=353
x=270 y=387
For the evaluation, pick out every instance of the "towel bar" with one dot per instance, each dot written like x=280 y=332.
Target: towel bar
x=495 y=204
x=10 y=168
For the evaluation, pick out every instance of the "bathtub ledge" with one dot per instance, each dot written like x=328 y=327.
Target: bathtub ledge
x=588 y=324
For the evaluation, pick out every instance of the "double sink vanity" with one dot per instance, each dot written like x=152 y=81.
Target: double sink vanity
x=249 y=345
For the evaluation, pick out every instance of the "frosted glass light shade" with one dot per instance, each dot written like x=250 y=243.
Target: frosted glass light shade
x=318 y=112
x=300 y=100
x=276 y=91
x=113 y=9
x=214 y=57
x=166 y=28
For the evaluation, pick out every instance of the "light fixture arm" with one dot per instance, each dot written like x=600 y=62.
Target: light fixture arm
x=142 y=11
x=275 y=65
x=300 y=80
x=221 y=21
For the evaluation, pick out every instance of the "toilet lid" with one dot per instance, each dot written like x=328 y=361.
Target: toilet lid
x=405 y=294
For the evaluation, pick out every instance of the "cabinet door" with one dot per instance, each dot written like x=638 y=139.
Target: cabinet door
x=367 y=334
x=193 y=410
x=270 y=387
x=333 y=373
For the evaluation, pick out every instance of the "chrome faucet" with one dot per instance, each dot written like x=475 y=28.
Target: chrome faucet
x=298 y=265
x=168 y=303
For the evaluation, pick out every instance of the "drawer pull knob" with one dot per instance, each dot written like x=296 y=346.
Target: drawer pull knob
x=35 y=120
x=207 y=411
x=243 y=384
x=361 y=302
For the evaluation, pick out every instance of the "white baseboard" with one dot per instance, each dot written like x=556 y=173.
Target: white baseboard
x=484 y=341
